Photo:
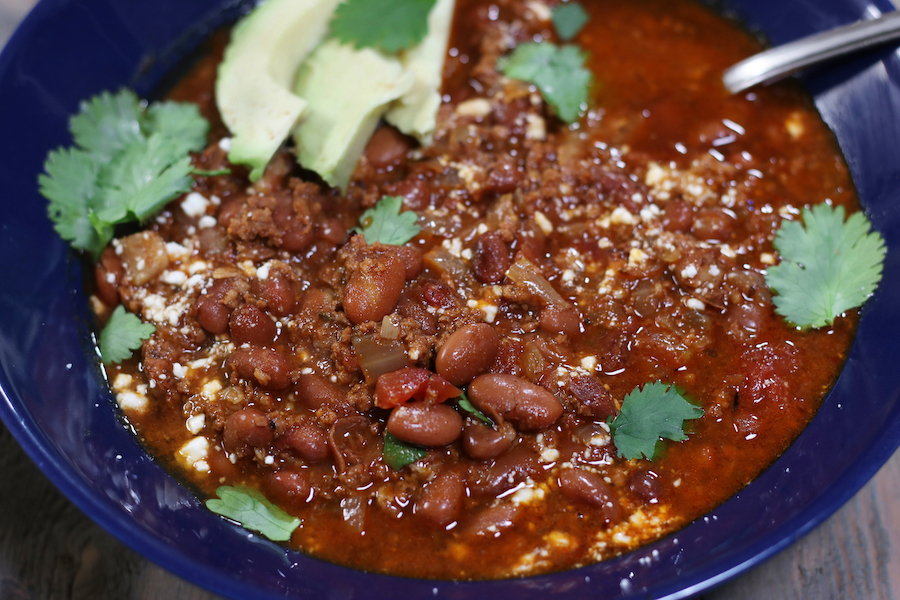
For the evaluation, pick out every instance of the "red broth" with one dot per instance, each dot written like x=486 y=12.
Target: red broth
x=558 y=269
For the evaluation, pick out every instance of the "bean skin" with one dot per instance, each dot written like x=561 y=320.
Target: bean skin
x=314 y=392
x=107 y=275
x=430 y=426
x=266 y=367
x=310 y=442
x=440 y=500
x=374 y=288
x=288 y=487
x=215 y=306
x=490 y=258
x=590 y=488
x=246 y=429
x=484 y=443
x=387 y=147
x=250 y=324
x=556 y=319
x=529 y=406
x=491 y=520
x=594 y=400
x=468 y=352
x=276 y=291
x=411 y=258
x=505 y=472
x=645 y=485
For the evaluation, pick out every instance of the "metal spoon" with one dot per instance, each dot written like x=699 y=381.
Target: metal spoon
x=777 y=63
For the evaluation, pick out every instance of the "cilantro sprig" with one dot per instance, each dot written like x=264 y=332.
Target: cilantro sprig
x=386 y=224
x=649 y=414
x=557 y=71
x=122 y=335
x=251 y=509
x=386 y=25
x=568 y=19
x=828 y=265
x=127 y=161
x=397 y=454
x=466 y=406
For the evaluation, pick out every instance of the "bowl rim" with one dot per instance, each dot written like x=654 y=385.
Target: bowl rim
x=29 y=436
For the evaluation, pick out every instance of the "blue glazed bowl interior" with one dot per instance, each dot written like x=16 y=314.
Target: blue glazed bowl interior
x=54 y=400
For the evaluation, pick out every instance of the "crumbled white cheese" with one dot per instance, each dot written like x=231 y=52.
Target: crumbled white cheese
x=194 y=205
x=195 y=423
x=474 y=107
x=194 y=453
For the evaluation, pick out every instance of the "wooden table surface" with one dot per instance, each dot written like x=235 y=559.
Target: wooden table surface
x=49 y=550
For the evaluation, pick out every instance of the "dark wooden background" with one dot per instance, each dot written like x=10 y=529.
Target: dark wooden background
x=50 y=551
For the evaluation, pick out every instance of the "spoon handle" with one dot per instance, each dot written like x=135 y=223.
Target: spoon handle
x=781 y=61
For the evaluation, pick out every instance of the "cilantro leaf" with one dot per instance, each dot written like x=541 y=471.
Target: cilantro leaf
x=180 y=122
x=107 y=123
x=386 y=224
x=398 y=454
x=252 y=510
x=569 y=18
x=127 y=162
x=828 y=265
x=70 y=184
x=142 y=178
x=466 y=405
x=387 y=25
x=655 y=411
x=557 y=71
x=122 y=335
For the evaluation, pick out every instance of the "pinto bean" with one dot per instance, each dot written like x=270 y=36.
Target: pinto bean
x=107 y=275
x=594 y=400
x=678 y=215
x=215 y=306
x=246 y=429
x=467 y=352
x=374 y=288
x=310 y=442
x=645 y=485
x=411 y=258
x=269 y=368
x=590 y=488
x=491 y=520
x=387 y=147
x=484 y=443
x=277 y=292
x=440 y=500
x=490 y=258
x=288 y=487
x=713 y=224
x=505 y=472
x=314 y=392
x=250 y=324
x=529 y=406
x=557 y=319
x=425 y=425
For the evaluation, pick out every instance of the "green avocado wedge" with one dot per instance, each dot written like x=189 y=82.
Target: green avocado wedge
x=415 y=112
x=347 y=92
x=256 y=77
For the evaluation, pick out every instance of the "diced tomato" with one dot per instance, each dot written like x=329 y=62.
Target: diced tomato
x=399 y=387
x=439 y=390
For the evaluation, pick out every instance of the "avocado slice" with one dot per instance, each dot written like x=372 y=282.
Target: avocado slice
x=255 y=79
x=414 y=113
x=347 y=92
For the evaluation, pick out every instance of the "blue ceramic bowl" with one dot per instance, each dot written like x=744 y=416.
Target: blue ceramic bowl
x=53 y=399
